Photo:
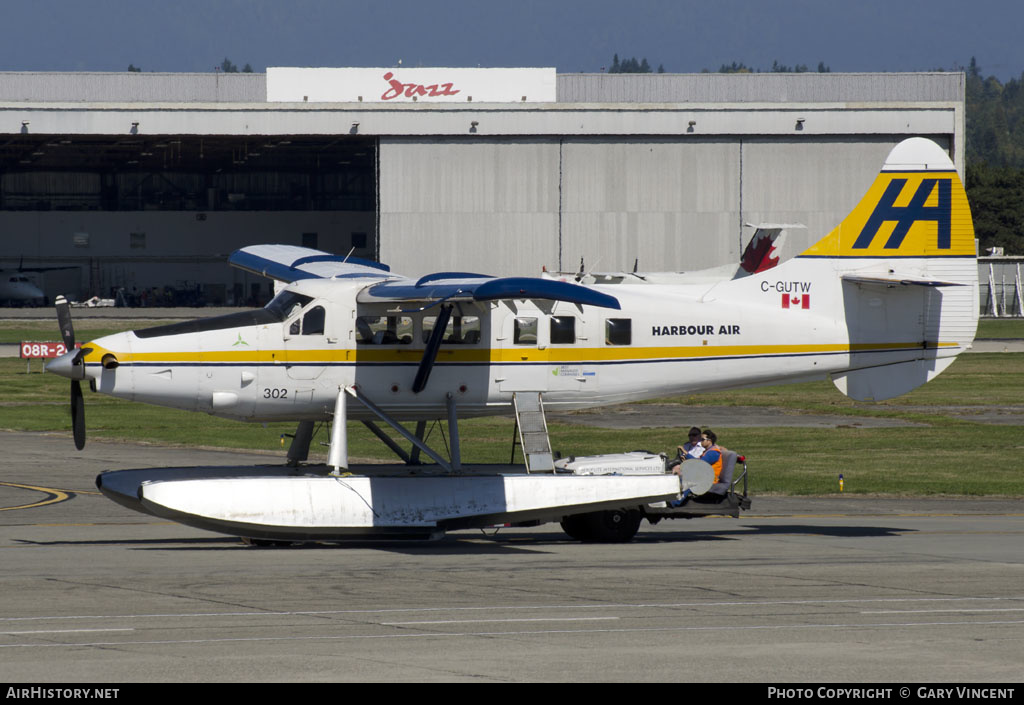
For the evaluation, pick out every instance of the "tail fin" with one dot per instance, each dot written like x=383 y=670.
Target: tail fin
x=907 y=262
x=917 y=207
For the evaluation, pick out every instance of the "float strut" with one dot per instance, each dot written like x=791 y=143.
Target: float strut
x=337 y=458
x=386 y=440
x=414 y=455
x=362 y=399
x=453 y=432
x=298 y=451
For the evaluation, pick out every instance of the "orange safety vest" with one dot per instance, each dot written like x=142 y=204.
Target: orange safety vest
x=717 y=465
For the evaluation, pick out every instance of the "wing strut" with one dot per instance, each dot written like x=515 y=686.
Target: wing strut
x=362 y=399
x=386 y=440
x=433 y=346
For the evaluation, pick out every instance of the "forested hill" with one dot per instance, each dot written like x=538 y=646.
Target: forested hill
x=995 y=160
x=995 y=120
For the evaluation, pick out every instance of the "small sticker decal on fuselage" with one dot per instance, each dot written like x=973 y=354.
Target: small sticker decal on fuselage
x=572 y=371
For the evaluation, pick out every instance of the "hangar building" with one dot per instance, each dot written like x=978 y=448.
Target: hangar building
x=143 y=180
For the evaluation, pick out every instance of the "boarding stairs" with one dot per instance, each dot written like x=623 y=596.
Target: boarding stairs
x=532 y=429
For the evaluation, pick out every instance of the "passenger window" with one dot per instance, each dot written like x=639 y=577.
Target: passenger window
x=461 y=330
x=618 y=331
x=563 y=330
x=525 y=331
x=383 y=330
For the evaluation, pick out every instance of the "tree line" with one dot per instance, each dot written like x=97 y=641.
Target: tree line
x=995 y=159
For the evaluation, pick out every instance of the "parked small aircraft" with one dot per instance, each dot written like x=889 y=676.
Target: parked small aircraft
x=18 y=289
x=880 y=305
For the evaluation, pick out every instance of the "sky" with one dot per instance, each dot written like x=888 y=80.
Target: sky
x=684 y=36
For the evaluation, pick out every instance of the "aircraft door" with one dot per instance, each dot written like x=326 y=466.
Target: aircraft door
x=307 y=346
x=521 y=344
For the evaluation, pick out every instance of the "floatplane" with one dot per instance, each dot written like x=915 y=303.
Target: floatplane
x=880 y=305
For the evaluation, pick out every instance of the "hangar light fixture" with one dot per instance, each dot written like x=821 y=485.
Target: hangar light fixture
x=24 y=127
x=799 y=123
x=135 y=128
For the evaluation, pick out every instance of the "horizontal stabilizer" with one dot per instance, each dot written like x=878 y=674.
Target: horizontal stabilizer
x=892 y=280
x=889 y=381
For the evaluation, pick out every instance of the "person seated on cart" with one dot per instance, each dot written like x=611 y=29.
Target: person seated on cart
x=691 y=449
x=722 y=462
x=712 y=454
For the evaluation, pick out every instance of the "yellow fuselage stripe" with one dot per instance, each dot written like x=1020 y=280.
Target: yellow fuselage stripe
x=504 y=355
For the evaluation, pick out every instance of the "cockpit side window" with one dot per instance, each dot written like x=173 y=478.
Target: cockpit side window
x=310 y=323
x=313 y=321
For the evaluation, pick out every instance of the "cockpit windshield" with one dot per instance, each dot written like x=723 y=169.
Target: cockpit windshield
x=283 y=305
x=287 y=303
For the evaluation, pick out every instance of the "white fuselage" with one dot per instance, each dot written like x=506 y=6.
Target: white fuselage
x=666 y=340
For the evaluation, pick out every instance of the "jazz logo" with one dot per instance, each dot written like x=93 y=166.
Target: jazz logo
x=913 y=212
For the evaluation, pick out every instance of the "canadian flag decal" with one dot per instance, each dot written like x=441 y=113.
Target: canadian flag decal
x=796 y=301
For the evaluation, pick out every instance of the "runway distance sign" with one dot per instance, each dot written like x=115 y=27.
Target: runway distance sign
x=34 y=350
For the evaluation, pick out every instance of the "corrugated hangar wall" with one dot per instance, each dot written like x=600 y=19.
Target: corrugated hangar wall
x=510 y=206
x=610 y=172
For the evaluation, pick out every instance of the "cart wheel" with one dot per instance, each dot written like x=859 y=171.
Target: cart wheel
x=575 y=526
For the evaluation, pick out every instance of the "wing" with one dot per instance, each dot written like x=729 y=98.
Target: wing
x=451 y=286
x=289 y=263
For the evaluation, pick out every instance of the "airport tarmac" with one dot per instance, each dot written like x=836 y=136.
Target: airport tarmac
x=838 y=589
